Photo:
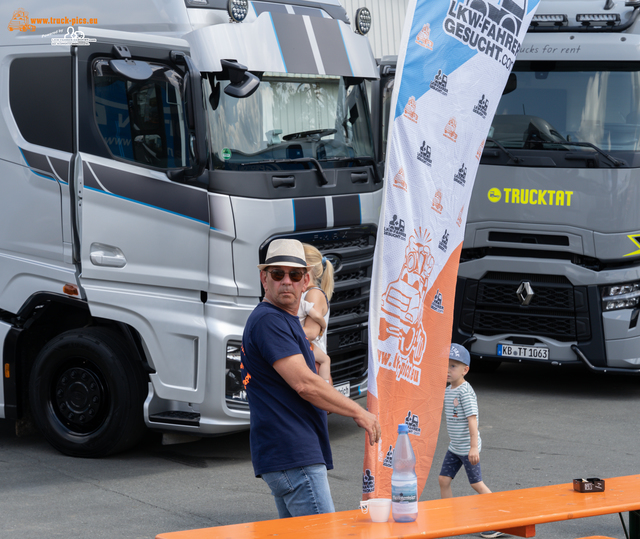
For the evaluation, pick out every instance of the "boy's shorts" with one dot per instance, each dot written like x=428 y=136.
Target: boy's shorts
x=452 y=464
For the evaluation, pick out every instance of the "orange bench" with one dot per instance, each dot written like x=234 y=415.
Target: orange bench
x=515 y=512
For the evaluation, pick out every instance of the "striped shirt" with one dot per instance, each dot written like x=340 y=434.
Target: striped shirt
x=459 y=404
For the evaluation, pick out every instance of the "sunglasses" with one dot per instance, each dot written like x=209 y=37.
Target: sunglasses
x=295 y=275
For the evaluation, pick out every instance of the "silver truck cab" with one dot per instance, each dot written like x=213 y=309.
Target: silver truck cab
x=149 y=152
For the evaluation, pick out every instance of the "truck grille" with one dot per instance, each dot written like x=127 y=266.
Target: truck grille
x=347 y=338
x=559 y=310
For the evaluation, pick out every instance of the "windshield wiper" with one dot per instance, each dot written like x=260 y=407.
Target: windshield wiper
x=319 y=133
x=616 y=162
x=510 y=154
x=324 y=180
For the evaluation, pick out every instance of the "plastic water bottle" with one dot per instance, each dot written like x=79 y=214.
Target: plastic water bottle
x=404 y=481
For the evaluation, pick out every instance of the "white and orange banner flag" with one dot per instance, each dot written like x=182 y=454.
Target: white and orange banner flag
x=454 y=61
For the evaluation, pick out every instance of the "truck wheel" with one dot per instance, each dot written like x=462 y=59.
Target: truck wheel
x=87 y=394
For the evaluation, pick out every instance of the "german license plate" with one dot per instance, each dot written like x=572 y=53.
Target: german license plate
x=527 y=352
x=345 y=389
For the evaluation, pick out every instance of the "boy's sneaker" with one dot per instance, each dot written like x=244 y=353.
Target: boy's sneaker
x=491 y=535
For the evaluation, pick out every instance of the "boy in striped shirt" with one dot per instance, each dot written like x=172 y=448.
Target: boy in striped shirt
x=461 y=411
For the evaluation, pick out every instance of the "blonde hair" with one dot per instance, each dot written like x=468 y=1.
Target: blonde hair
x=321 y=270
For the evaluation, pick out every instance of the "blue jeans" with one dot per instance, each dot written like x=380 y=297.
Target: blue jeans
x=301 y=491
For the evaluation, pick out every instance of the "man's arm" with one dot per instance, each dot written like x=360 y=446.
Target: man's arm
x=474 y=454
x=315 y=390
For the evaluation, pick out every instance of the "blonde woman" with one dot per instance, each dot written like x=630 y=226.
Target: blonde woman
x=314 y=307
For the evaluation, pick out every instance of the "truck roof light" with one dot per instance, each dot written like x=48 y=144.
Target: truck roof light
x=587 y=19
x=238 y=9
x=363 y=21
x=549 y=20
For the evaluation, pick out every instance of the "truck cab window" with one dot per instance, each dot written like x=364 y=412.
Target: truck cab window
x=290 y=117
x=142 y=121
x=557 y=103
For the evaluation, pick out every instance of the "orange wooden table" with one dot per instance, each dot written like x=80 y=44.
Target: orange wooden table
x=515 y=512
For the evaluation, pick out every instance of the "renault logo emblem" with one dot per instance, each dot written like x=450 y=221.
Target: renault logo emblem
x=525 y=293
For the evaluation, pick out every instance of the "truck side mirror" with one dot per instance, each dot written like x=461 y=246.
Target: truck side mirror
x=128 y=68
x=131 y=69
x=243 y=83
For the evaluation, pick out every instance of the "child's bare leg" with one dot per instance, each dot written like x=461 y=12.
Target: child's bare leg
x=445 y=486
x=323 y=363
x=480 y=487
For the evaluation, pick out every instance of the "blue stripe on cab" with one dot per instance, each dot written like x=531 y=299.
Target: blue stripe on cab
x=293 y=203
x=345 y=48
x=278 y=41
x=147 y=205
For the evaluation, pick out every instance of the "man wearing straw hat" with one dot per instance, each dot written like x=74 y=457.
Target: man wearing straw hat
x=288 y=400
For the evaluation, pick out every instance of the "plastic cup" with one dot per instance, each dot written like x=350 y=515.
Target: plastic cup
x=378 y=509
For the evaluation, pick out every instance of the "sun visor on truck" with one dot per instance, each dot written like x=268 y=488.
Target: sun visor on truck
x=285 y=43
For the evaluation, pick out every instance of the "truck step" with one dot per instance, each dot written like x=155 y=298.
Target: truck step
x=176 y=418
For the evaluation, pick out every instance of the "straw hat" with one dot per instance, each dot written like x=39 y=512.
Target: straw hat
x=285 y=253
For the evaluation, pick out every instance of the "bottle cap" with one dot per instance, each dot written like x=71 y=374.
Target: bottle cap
x=403 y=429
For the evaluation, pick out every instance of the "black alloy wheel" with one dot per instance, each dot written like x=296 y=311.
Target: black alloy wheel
x=86 y=393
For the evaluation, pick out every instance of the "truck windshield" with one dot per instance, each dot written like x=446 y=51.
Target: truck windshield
x=289 y=117
x=555 y=103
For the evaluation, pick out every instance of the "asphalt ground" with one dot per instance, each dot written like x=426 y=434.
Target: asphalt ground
x=540 y=425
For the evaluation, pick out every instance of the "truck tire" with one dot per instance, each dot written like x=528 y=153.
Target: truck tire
x=86 y=393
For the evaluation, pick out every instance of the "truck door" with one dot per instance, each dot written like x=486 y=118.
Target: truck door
x=142 y=227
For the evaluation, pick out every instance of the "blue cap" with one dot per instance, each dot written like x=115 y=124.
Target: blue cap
x=460 y=353
x=403 y=429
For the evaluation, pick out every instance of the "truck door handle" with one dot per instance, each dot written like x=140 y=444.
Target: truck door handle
x=359 y=177
x=106 y=255
x=283 y=181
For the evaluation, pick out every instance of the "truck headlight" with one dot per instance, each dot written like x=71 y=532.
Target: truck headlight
x=587 y=19
x=234 y=390
x=363 y=21
x=622 y=296
x=238 y=9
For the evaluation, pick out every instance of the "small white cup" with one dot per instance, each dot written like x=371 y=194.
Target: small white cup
x=378 y=509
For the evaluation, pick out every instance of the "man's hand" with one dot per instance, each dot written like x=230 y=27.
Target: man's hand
x=369 y=422
x=474 y=456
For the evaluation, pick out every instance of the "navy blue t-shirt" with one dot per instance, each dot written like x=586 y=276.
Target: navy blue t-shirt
x=286 y=430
